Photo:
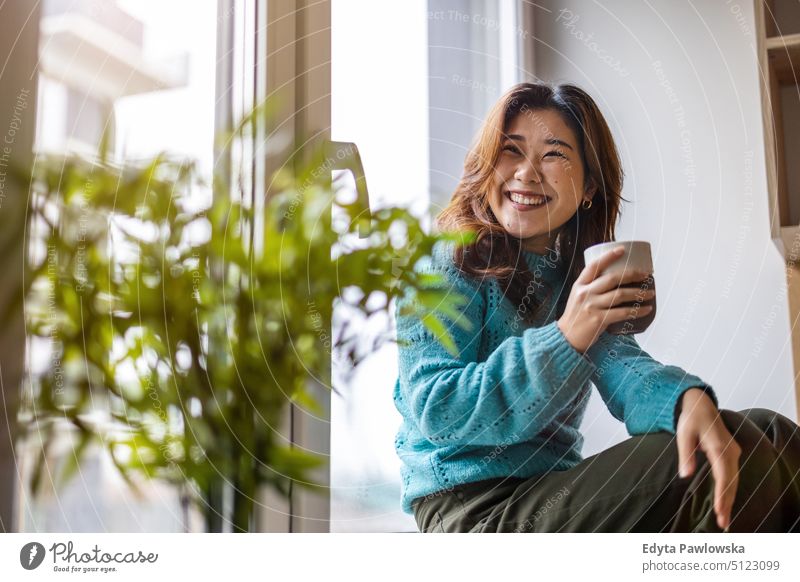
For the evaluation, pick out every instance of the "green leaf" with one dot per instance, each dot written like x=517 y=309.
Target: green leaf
x=447 y=303
x=73 y=458
x=437 y=328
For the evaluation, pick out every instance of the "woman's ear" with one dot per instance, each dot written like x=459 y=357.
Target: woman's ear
x=591 y=188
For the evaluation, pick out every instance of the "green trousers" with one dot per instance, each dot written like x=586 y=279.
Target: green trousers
x=634 y=487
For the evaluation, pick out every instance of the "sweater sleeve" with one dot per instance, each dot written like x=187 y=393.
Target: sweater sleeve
x=638 y=390
x=519 y=388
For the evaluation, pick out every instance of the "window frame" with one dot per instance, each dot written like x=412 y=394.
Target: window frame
x=18 y=75
x=271 y=47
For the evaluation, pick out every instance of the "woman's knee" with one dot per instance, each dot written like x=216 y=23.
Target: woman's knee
x=745 y=426
x=775 y=425
x=759 y=460
x=764 y=492
x=758 y=454
x=759 y=415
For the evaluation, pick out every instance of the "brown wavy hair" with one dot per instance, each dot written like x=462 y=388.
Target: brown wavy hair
x=496 y=253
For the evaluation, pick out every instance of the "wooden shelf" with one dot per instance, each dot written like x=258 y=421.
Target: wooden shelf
x=779 y=68
x=784 y=57
x=789 y=243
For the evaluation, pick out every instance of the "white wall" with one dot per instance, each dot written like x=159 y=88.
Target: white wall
x=690 y=134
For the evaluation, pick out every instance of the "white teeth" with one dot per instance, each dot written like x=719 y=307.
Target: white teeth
x=530 y=201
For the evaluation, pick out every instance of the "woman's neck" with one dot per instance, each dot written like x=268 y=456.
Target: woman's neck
x=540 y=245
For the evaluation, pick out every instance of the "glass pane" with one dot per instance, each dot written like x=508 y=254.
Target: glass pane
x=136 y=71
x=412 y=108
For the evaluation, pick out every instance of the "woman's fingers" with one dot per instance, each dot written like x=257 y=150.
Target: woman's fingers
x=687 y=444
x=621 y=295
x=610 y=281
x=724 y=462
x=618 y=314
x=596 y=267
x=700 y=424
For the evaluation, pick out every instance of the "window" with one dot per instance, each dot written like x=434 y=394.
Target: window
x=130 y=68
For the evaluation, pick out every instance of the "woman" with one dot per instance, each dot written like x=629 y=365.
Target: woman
x=490 y=440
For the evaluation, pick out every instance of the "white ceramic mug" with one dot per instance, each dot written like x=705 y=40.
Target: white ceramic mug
x=637 y=256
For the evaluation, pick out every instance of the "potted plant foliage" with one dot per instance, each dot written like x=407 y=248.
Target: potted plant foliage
x=179 y=334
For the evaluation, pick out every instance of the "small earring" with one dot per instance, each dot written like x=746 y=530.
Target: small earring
x=583 y=205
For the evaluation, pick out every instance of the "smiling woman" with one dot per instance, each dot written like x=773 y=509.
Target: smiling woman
x=535 y=172
x=491 y=438
x=533 y=143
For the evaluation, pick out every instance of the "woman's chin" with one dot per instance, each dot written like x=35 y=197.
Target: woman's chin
x=523 y=233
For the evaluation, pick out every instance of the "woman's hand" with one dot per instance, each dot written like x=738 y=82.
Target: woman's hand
x=591 y=304
x=700 y=425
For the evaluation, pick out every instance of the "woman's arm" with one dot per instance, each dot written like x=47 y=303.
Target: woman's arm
x=509 y=397
x=639 y=390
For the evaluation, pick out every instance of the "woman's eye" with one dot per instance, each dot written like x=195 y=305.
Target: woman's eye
x=515 y=150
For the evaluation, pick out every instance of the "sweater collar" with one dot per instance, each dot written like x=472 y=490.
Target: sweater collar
x=548 y=258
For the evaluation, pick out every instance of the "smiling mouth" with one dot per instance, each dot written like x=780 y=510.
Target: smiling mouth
x=527 y=201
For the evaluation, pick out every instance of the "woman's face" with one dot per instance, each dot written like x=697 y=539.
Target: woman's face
x=539 y=156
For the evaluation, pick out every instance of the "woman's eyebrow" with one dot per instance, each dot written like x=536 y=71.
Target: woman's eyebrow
x=551 y=141
x=556 y=141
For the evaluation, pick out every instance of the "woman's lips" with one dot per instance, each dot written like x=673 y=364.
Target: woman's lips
x=525 y=207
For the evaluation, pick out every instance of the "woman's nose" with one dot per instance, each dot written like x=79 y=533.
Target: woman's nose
x=527 y=172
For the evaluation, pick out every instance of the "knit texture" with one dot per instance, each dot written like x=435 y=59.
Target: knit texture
x=511 y=403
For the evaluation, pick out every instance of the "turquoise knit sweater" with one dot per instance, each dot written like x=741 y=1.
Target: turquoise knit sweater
x=512 y=402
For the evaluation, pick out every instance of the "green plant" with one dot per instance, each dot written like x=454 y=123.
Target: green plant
x=196 y=330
